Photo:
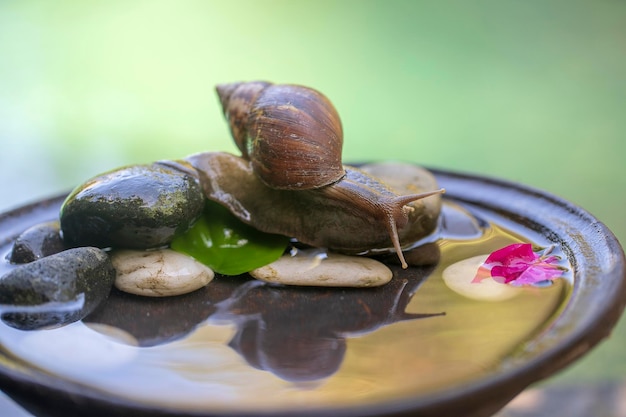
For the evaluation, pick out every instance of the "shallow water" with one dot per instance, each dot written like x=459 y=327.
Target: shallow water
x=241 y=344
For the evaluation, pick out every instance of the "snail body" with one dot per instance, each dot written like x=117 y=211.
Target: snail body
x=288 y=129
x=355 y=215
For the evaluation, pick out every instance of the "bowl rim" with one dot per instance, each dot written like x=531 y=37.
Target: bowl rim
x=596 y=302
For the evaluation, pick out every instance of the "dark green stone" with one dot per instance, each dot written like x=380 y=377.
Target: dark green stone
x=140 y=207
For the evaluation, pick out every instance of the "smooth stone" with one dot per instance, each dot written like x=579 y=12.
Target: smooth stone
x=405 y=178
x=158 y=273
x=56 y=290
x=459 y=276
x=37 y=242
x=135 y=207
x=332 y=270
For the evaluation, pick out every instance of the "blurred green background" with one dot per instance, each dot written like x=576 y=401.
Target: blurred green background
x=531 y=91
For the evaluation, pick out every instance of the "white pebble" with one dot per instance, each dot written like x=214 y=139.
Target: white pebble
x=458 y=277
x=333 y=270
x=158 y=273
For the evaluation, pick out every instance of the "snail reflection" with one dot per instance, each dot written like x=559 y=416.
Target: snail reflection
x=297 y=333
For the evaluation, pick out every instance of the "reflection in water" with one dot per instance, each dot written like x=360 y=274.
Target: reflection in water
x=298 y=334
x=157 y=320
x=43 y=316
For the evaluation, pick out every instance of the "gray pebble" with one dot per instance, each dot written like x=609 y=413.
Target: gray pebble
x=56 y=290
x=37 y=242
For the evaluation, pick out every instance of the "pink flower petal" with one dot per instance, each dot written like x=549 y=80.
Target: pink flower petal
x=512 y=253
x=518 y=265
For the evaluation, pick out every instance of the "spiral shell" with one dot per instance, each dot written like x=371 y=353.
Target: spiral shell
x=291 y=134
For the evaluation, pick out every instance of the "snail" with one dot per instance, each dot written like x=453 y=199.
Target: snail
x=290 y=178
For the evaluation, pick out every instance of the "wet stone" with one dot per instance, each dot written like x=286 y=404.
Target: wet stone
x=330 y=270
x=460 y=275
x=159 y=273
x=37 y=242
x=56 y=290
x=137 y=207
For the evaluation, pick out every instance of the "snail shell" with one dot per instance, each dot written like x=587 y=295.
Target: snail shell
x=291 y=134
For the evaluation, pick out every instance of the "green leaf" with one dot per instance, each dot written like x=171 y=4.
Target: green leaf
x=226 y=245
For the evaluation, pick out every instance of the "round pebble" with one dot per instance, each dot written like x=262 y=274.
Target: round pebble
x=37 y=242
x=158 y=273
x=458 y=277
x=330 y=270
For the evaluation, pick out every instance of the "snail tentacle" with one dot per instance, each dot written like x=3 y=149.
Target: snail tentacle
x=391 y=208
